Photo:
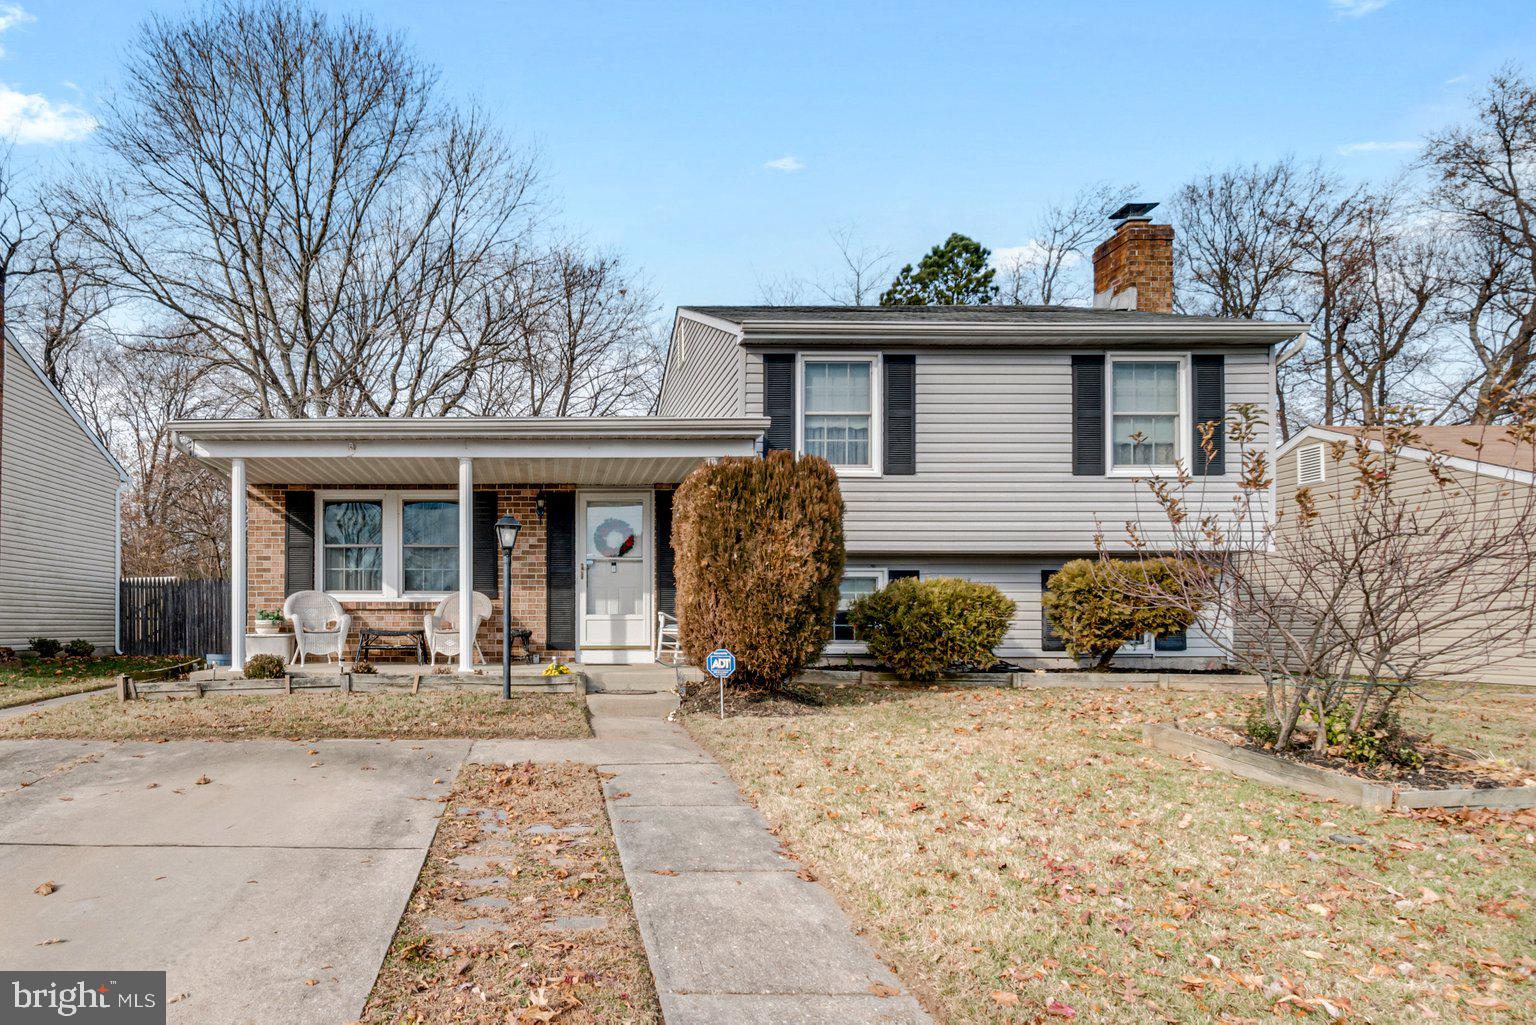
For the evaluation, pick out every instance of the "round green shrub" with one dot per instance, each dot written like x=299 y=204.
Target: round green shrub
x=80 y=648
x=264 y=667
x=921 y=628
x=44 y=647
x=1099 y=605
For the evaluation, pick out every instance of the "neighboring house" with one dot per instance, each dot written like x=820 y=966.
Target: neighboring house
x=1481 y=461
x=983 y=442
x=60 y=492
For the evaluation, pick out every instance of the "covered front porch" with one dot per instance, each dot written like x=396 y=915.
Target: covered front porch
x=382 y=521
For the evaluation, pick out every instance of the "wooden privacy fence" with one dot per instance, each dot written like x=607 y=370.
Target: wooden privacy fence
x=169 y=616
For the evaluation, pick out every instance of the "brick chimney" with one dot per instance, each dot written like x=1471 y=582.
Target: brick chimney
x=1133 y=268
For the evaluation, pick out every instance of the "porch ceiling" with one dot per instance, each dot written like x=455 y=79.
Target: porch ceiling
x=624 y=451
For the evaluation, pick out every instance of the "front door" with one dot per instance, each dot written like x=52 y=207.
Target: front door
x=613 y=576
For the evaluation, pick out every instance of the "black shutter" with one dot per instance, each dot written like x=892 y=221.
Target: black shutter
x=298 y=541
x=485 y=543
x=779 y=401
x=1210 y=405
x=893 y=575
x=560 y=570
x=1049 y=640
x=1088 y=416
x=900 y=414
x=666 y=575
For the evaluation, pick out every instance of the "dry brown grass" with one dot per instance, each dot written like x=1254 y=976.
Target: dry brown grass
x=309 y=715
x=513 y=968
x=1020 y=856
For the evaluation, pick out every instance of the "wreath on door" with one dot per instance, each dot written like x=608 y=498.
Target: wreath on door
x=613 y=538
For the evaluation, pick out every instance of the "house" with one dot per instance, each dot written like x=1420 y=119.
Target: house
x=1487 y=471
x=991 y=442
x=986 y=442
x=60 y=514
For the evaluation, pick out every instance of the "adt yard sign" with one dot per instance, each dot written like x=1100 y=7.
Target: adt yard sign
x=720 y=664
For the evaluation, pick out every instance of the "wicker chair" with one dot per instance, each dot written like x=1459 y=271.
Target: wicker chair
x=320 y=627
x=442 y=626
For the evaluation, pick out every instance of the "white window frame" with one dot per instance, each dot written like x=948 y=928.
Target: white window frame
x=1182 y=429
x=393 y=551
x=876 y=408
x=882 y=577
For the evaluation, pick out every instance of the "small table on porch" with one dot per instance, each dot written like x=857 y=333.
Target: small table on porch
x=371 y=639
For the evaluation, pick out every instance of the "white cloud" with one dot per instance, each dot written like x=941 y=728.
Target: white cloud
x=1356 y=8
x=1457 y=79
x=1397 y=146
x=33 y=117
x=787 y=164
x=1030 y=254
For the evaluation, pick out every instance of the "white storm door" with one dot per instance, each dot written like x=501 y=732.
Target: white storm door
x=613 y=576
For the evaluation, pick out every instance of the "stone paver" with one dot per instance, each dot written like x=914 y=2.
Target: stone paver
x=734 y=935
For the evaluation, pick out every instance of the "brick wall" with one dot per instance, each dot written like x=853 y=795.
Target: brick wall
x=266 y=565
x=1140 y=256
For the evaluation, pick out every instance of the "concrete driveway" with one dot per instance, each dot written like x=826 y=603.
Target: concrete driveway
x=268 y=893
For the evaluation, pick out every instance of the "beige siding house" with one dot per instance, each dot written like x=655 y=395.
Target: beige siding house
x=59 y=509
x=1488 y=476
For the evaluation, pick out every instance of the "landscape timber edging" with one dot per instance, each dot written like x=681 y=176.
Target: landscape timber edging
x=231 y=682
x=1032 y=679
x=1319 y=782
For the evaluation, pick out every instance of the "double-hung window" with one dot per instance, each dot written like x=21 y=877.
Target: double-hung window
x=855 y=585
x=1148 y=419
x=387 y=545
x=353 y=537
x=839 y=396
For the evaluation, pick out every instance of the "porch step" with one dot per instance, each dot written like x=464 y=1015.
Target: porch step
x=630 y=679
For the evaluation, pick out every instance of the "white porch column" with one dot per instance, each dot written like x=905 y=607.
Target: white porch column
x=466 y=564
x=237 y=574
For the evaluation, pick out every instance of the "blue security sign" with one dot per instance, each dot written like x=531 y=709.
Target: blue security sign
x=720 y=663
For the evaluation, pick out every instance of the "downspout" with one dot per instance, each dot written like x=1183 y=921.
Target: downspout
x=117 y=576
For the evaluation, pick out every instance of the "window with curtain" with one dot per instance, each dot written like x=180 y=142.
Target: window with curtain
x=353 y=535
x=838 y=408
x=1144 y=412
x=429 y=545
x=855 y=585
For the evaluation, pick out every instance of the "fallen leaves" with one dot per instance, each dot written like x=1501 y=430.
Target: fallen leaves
x=880 y=989
x=44 y=889
x=203 y=781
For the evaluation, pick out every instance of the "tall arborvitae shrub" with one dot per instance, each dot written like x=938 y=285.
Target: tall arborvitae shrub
x=759 y=555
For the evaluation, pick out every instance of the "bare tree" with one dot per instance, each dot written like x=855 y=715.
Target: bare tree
x=289 y=190
x=863 y=270
x=1485 y=185
x=1400 y=569
x=1053 y=267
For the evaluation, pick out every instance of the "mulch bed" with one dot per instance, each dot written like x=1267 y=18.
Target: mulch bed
x=1444 y=768
x=521 y=914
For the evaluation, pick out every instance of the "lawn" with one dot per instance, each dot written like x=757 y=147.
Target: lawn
x=513 y=927
x=306 y=715
x=28 y=678
x=1020 y=856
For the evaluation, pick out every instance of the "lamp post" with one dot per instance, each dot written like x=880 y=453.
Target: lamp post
x=506 y=536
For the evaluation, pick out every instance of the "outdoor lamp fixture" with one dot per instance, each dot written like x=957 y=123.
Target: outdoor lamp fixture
x=506 y=536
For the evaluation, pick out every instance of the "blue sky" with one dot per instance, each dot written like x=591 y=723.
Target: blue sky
x=658 y=123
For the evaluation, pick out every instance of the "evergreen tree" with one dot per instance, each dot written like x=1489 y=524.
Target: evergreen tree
x=956 y=273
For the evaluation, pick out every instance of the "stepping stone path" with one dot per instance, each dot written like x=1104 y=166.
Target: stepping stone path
x=576 y=923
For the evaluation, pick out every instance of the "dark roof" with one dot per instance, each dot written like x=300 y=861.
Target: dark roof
x=952 y=315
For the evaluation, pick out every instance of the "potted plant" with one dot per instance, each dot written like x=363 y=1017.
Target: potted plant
x=268 y=620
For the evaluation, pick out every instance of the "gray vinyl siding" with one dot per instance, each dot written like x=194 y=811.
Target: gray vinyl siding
x=703 y=376
x=1019 y=579
x=58 y=520
x=994 y=459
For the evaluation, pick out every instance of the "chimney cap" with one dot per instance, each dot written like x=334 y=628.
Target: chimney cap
x=1132 y=212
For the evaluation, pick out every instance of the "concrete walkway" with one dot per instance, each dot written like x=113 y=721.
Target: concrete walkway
x=733 y=934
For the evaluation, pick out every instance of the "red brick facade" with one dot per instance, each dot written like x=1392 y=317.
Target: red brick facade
x=1139 y=255
x=266 y=567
